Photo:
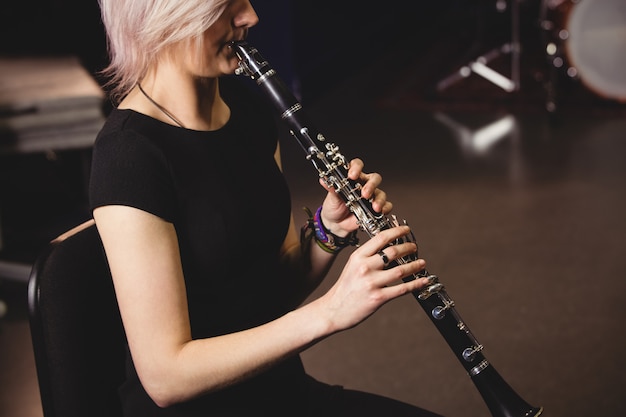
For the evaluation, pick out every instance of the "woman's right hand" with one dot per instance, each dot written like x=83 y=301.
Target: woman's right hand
x=365 y=285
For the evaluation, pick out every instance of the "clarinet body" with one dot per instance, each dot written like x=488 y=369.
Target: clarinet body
x=332 y=168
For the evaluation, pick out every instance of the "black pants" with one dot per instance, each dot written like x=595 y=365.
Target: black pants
x=336 y=401
x=305 y=397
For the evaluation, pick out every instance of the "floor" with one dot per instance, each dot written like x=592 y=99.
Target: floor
x=521 y=214
x=519 y=211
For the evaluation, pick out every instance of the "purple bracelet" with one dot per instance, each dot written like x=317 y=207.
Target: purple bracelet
x=320 y=230
x=327 y=240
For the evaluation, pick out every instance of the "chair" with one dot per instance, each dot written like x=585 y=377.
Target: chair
x=76 y=330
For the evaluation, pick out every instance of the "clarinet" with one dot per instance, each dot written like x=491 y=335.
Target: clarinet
x=332 y=168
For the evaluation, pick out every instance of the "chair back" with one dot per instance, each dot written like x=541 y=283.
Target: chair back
x=78 y=339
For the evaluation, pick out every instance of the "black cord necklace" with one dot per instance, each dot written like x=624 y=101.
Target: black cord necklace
x=158 y=106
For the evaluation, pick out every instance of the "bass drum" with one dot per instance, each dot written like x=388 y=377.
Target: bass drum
x=587 y=39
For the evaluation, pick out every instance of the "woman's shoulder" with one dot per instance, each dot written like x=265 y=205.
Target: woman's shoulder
x=126 y=135
x=126 y=125
x=128 y=121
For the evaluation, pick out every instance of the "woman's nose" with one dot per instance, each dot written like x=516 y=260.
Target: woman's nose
x=246 y=16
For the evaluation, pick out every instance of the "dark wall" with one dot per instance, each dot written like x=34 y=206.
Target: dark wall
x=334 y=39
x=319 y=43
x=53 y=27
x=313 y=43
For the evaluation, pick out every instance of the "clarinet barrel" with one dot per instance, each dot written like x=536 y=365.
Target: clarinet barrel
x=332 y=167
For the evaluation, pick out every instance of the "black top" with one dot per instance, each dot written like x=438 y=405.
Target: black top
x=230 y=205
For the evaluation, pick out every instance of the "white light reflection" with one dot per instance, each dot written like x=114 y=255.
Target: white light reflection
x=487 y=136
x=479 y=141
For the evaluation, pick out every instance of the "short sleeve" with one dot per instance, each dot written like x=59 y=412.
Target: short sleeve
x=128 y=169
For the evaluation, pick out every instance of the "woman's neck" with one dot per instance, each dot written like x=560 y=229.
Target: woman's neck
x=193 y=103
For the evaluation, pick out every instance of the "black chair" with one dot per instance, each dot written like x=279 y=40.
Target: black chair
x=77 y=334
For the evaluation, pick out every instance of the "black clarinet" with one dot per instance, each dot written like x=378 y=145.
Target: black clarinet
x=332 y=168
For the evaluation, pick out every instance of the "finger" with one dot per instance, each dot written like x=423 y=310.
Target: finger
x=355 y=168
x=370 y=182
x=387 y=207
x=379 y=201
x=323 y=184
x=398 y=290
x=384 y=258
x=383 y=239
x=402 y=270
x=395 y=252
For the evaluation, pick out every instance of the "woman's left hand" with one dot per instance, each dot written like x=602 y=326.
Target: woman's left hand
x=336 y=216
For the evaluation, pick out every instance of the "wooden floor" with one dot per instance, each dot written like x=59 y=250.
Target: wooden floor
x=522 y=216
x=526 y=230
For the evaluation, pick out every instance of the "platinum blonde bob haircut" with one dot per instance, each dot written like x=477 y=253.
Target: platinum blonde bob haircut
x=138 y=31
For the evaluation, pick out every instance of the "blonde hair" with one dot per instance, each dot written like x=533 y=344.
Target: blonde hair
x=139 y=30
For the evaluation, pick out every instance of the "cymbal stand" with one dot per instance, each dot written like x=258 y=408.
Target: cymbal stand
x=480 y=66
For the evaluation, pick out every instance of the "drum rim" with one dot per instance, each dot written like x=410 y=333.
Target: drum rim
x=597 y=84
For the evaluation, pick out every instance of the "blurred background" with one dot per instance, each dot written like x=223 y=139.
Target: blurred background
x=500 y=131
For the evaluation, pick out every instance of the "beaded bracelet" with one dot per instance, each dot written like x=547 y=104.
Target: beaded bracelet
x=324 y=238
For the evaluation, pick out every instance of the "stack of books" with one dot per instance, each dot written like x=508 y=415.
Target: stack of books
x=48 y=104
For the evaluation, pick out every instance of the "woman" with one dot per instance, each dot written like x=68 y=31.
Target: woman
x=194 y=214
